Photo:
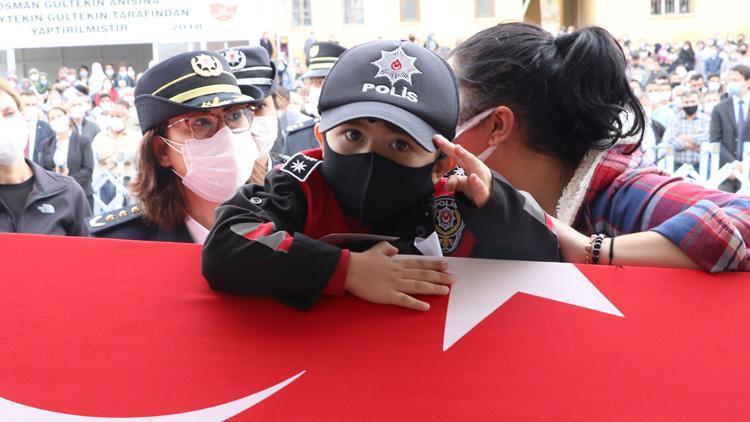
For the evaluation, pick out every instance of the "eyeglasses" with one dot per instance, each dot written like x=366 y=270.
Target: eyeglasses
x=204 y=126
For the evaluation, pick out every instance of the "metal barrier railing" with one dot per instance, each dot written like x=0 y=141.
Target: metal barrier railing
x=122 y=195
x=709 y=174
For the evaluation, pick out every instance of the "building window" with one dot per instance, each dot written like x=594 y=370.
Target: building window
x=409 y=10
x=354 y=11
x=301 y=13
x=670 y=7
x=484 y=8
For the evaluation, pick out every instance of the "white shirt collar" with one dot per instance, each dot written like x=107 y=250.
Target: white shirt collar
x=744 y=99
x=196 y=230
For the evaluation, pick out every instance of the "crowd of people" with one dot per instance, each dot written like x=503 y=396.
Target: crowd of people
x=543 y=158
x=680 y=86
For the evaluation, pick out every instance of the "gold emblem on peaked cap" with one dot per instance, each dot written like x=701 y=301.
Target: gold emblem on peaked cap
x=206 y=66
x=236 y=59
x=216 y=102
x=314 y=50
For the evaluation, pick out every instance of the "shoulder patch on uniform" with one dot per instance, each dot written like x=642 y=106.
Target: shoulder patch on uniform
x=302 y=125
x=449 y=225
x=114 y=218
x=300 y=166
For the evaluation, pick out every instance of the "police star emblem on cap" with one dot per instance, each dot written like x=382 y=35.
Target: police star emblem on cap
x=235 y=58
x=206 y=66
x=314 y=50
x=396 y=65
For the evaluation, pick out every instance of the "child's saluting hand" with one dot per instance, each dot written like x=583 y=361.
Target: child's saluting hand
x=477 y=183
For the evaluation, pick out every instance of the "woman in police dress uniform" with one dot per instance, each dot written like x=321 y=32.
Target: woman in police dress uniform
x=193 y=117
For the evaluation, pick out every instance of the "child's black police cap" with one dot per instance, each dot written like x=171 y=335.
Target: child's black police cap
x=396 y=81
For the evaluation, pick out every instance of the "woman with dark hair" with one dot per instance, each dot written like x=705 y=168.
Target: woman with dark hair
x=685 y=57
x=193 y=155
x=68 y=152
x=557 y=118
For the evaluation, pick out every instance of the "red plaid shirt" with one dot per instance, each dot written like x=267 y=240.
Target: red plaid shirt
x=627 y=194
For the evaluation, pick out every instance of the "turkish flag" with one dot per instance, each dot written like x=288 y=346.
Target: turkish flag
x=109 y=328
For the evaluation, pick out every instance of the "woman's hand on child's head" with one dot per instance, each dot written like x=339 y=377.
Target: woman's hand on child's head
x=376 y=277
x=477 y=183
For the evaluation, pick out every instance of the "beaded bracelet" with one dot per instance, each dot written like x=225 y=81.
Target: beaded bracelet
x=594 y=249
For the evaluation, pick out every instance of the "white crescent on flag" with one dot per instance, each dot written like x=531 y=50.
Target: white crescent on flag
x=12 y=411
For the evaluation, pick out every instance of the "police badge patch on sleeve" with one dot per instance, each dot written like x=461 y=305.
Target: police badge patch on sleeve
x=300 y=166
x=449 y=225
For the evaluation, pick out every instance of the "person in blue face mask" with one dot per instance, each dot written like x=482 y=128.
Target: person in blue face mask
x=729 y=122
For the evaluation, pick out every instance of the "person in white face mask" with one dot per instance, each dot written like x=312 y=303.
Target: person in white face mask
x=39 y=130
x=322 y=57
x=115 y=149
x=79 y=105
x=100 y=113
x=68 y=152
x=194 y=154
x=256 y=76
x=32 y=199
x=571 y=138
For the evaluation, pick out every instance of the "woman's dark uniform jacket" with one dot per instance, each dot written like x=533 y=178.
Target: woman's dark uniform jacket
x=130 y=223
x=265 y=240
x=300 y=137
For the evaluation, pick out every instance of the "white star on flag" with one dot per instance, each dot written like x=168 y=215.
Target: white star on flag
x=396 y=65
x=298 y=166
x=484 y=285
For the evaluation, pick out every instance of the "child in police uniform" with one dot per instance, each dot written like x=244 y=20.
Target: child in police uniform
x=387 y=109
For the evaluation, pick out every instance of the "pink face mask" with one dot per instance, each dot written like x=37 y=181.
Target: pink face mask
x=216 y=166
x=469 y=124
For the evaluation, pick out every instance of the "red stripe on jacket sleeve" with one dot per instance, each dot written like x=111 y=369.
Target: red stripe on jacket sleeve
x=337 y=282
x=262 y=230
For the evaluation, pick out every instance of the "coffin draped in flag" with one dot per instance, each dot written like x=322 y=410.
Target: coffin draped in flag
x=118 y=329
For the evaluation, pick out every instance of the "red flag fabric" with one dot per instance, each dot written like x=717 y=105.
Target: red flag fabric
x=109 y=328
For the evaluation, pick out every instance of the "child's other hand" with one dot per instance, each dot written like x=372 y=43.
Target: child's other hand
x=376 y=277
x=477 y=183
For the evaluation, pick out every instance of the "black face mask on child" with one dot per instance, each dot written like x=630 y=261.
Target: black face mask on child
x=373 y=188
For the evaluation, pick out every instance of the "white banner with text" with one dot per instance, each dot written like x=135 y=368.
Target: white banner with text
x=65 y=23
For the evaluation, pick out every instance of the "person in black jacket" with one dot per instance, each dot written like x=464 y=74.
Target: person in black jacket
x=68 y=153
x=315 y=227
x=39 y=129
x=32 y=199
x=685 y=57
x=730 y=123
